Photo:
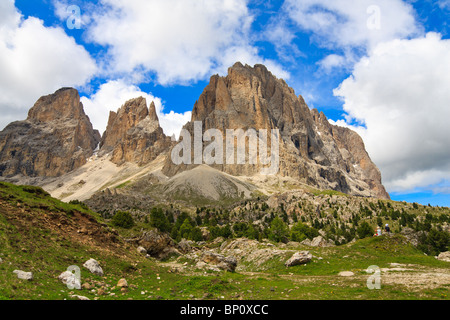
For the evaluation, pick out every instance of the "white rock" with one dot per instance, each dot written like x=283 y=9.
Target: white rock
x=142 y=250
x=24 y=275
x=444 y=256
x=299 y=258
x=94 y=267
x=346 y=274
x=82 y=298
x=200 y=265
x=122 y=283
x=69 y=279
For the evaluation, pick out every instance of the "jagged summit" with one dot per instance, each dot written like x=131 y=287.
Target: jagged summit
x=57 y=137
x=312 y=150
x=133 y=133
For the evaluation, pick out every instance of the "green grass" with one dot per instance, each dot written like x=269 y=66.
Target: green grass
x=37 y=198
x=123 y=185
x=47 y=253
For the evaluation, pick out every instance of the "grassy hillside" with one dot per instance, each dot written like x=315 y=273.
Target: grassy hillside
x=42 y=235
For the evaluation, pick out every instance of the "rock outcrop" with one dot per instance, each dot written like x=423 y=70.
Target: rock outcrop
x=56 y=138
x=133 y=134
x=222 y=262
x=94 y=267
x=311 y=149
x=444 y=256
x=299 y=258
x=158 y=245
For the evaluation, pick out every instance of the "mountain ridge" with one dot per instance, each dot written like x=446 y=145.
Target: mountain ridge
x=312 y=150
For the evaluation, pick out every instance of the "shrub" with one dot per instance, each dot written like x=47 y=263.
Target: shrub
x=79 y=203
x=123 y=219
x=159 y=220
x=196 y=234
x=300 y=232
x=185 y=230
x=36 y=190
x=436 y=242
x=279 y=231
x=240 y=229
x=365 y=230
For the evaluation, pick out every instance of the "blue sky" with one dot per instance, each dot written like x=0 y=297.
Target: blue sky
x=380 y=67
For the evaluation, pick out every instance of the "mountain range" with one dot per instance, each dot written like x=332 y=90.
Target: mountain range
x=57 y=148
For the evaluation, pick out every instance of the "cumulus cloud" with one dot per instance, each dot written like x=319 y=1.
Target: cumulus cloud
x=114 y=93
x=400 y=93
x=362 y=23
x=35 y=60
x=178 y=41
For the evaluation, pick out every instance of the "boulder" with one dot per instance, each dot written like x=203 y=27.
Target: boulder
x=306 y=242
x=81 y=298
x=299 y=258
x=69 y=279
x=346 y=274
x=22 y=275
x=318 y=242
x=222 y=262
x=185 y=246
x=205 y=233
x=142 y=250
x=122 y=283
x=158 y=245
x=411 y=235
x=444 y=256
x=94 y=267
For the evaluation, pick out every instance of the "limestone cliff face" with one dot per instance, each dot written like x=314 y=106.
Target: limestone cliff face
x=57 y=137
x=133 y=134
x=311 y=149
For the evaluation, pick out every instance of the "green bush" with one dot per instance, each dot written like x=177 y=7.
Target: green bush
x=79 y=203
x=196 y=234
x=300 y=232
x=36 y=190
x=365 y=230
x=435 y=242
x=278 y=231
x=159 y=220
x=123 y=219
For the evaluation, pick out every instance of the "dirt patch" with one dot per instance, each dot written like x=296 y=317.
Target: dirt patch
x=416 y=281
x=76 y=227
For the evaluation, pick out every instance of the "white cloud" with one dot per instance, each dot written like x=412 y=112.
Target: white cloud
x=113 y=94
x=248 y=55
x=349 y=23
x=35 y=60
x=400 y=92
x=444 y=4
x=178 y=40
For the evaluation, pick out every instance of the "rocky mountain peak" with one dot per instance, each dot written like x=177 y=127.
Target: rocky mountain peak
x=152 y=112
x=133 y=133
x=63 y=104
x=57 y=137
x=311 y=149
